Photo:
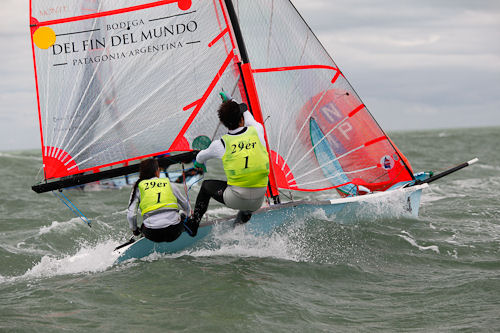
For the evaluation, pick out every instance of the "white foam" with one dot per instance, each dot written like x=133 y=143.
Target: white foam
x=453 y=254
x=88 y=259
x=240 y=243
x=407 y=237
x=487 y=167
x=60 y=226
x=320 y=214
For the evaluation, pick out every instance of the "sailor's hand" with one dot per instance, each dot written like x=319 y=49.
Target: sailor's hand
x=136 y=231
x=225 y=96
x=200 y=166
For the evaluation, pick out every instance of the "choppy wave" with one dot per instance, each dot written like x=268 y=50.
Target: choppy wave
x=65 y=226
x=318 y=269
x=88 y=259
x=20 y=156
x=407 y=237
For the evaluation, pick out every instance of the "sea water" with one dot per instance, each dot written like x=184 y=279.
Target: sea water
x=379 y=272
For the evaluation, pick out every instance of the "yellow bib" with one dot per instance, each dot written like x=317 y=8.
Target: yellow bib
x=245 y=161
x=156 y=193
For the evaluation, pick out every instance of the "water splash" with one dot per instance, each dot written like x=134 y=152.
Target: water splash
x=88 y=259
x=407 y=237
x=240 y=243
x=60 y=226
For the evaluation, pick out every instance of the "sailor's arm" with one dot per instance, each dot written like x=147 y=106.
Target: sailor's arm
x=215 y=150
x=132 y=211
x=181 y=199
x=250 y=121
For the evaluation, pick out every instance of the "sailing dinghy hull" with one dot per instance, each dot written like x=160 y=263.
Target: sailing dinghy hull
x=266 y=220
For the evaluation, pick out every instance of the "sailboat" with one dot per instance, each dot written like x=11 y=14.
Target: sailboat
x=120 y=81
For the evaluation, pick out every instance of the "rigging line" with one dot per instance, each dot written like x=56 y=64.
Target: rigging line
x=313 y=147
x=73 y=209
x=201 y=178
x=282 y=193
x=186 y=190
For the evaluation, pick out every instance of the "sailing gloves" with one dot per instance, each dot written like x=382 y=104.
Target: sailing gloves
x=225 y=96
x=200 y=166
x=136 y=231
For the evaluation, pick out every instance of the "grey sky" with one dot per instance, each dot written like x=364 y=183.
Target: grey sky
x=416 y=64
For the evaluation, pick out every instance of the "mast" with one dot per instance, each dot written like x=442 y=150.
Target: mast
x=251 y=92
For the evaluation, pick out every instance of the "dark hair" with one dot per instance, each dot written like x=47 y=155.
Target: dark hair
x=147 y=169
x=230 y=114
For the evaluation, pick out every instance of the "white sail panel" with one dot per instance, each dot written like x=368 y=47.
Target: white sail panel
x=131 y=84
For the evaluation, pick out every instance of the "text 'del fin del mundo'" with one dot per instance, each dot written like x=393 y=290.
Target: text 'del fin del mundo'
x=123 y=40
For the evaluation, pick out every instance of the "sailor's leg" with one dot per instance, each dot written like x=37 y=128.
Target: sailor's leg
x=209 y=189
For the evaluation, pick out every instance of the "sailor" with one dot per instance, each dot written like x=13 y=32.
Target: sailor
x=159 y=204
x=246 y=164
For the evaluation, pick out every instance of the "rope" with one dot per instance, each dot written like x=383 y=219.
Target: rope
x=72 y=207
x=186 y=189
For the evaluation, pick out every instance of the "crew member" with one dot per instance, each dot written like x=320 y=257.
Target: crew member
x=159 y=204
x=245 y=161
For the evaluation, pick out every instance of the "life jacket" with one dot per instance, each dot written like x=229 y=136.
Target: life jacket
x=245 y=161
x=156 y=193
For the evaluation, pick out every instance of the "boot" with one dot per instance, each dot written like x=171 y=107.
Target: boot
x=242 y=217
x=191 y=226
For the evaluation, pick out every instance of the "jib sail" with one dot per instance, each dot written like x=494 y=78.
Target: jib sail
x=320 y=133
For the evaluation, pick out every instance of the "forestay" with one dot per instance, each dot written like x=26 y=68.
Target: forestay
x=320 y=132
x=127 y=79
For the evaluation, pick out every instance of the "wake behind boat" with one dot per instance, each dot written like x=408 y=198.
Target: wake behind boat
x=121 y=82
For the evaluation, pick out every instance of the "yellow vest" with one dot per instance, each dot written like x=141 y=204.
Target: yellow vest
x=156 y=193
x=245 y=161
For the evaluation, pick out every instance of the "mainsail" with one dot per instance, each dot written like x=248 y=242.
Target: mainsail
x=320 y=133
x=127 y=79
